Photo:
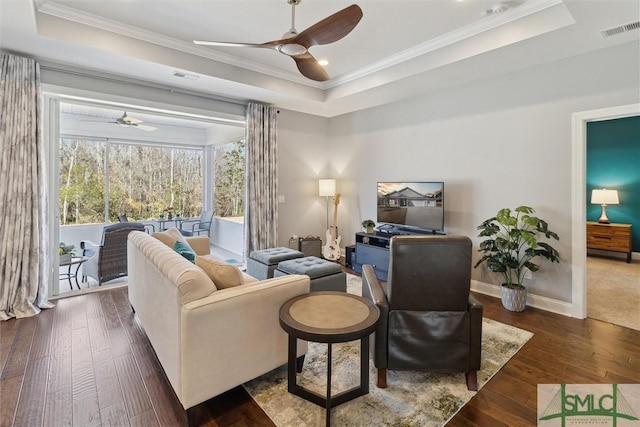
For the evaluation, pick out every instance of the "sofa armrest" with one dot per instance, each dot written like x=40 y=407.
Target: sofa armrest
x=200 y=244
x=373 y=291
x=236 y=334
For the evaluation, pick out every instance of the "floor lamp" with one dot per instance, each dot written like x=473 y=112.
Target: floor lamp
x=327 y=188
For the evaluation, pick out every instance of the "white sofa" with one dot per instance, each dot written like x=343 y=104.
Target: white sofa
x=207 y=340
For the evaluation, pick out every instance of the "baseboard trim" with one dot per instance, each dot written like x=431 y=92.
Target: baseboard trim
x=537 y=301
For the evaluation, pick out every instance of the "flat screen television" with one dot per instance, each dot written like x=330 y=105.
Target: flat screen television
x=407 y=206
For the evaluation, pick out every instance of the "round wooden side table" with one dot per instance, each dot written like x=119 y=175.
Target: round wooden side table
x=329 y=317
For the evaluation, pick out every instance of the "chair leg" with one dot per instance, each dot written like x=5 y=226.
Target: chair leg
x=382 y=378
x=472 y=380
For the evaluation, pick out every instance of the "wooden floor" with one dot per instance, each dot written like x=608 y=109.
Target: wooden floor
x=87 y=362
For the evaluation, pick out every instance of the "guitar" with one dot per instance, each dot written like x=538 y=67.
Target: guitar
x=331 y=250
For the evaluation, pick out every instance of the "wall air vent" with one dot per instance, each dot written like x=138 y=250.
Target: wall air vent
x=620 y=29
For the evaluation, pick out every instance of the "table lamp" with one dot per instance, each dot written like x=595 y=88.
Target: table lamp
x=604 y=197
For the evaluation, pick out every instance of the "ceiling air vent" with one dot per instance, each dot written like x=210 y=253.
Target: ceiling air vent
x=620 y=29
x=187 y=76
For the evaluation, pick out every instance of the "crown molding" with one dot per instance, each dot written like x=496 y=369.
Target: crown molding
x=490 y=22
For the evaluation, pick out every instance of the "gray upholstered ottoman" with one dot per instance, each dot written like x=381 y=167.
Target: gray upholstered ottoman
x=261 y=264
x=325 y=275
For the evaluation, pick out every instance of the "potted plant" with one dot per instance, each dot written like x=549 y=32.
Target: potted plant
x=66 y=253
x=368 y=225
x=511 y=245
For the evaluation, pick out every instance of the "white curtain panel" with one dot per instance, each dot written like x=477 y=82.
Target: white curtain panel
x=261 y=217
x=24 y=260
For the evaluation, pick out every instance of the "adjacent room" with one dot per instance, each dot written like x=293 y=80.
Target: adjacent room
x=305 y=212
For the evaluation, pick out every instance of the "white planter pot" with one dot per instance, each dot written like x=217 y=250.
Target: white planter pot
x=65 y=259
x=513 y=299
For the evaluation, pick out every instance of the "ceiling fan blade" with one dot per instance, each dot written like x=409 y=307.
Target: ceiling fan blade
x=145 y=127
x=330 y=29
x=231 y=44
x=309 y=67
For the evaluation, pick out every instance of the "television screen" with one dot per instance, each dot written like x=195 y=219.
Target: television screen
x=412 y=204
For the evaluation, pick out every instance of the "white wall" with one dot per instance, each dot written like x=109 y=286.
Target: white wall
x=496 y=143
x=303 y=158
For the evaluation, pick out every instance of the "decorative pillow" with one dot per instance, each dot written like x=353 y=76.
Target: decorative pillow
x=185 y=250
x=222 y=274
x=170 y=236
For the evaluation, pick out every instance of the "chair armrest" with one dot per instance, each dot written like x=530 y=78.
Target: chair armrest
x=475 y=341
x=200 y=244
x=192 y=222
x=89 y=248
x=373 y=291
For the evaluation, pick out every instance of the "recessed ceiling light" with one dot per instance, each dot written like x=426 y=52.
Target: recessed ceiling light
x=323 y=62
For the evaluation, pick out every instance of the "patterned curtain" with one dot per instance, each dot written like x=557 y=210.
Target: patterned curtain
x=261 y=217
x=24 y=260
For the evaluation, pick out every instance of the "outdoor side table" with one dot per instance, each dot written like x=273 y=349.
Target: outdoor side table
x=77 y=261
x=329 y=317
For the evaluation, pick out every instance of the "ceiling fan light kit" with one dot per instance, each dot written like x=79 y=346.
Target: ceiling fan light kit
x=296 y=45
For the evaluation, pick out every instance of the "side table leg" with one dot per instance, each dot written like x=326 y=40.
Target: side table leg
x=291 y=364
x=364 y=364
x=328 y=408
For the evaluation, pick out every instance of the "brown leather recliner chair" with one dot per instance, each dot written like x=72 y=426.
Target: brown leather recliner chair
x=429 y=321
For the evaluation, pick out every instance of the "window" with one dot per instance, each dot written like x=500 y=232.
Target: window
x=229 y=189
x=101 y=180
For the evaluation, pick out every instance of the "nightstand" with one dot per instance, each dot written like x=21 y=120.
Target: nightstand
x=609 y=237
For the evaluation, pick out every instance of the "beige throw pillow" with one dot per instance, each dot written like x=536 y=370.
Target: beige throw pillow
x=170 y=236
x=222 y=274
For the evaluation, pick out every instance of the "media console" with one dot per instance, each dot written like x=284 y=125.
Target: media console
x=373 y=249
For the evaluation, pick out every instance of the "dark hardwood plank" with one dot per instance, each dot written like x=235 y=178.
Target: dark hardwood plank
x=20 y=348
x=30 y=411
x=146 y=419
x=10 y=388
x=135 y=393
x=114 y=416
x=82 y=373
x=58 y=409
x=41 y=345
x=107 y=382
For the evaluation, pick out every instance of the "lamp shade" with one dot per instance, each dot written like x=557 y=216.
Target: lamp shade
x=327 y=187
x=604 y=197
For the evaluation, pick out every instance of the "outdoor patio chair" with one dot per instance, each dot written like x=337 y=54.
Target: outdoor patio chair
x=108 y=260
x=197 y=226
x=149 y=228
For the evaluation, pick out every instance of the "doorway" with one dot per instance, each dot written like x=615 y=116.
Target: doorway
x=579 y=197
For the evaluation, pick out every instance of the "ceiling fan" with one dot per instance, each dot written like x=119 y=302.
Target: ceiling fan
x=127 y=121
x=296 y=45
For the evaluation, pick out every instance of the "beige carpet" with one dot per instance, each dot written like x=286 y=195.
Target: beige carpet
x=412 y=398
x=613 y=291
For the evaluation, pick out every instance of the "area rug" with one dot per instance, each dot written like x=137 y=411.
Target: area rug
x=412 y=398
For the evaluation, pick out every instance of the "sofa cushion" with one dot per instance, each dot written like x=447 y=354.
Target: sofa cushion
x=222 y=274
x=170 y=236
x=185 y=250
